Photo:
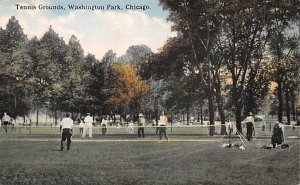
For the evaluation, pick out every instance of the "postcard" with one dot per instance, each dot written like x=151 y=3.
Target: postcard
x=149 y=92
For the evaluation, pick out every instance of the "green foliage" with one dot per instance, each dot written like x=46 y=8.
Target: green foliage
x=94 y=82
x=240 y=45
x=231 y=38
x=14 y=62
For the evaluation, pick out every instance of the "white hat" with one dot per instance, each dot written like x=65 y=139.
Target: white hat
x=141 y=115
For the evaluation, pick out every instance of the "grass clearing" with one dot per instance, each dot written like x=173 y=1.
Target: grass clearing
x=194 y=162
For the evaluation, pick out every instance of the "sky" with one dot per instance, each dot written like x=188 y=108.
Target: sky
x=98 y=30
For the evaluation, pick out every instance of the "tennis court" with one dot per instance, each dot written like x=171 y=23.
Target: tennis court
x=126 y=159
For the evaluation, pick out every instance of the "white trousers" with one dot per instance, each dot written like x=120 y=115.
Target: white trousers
x=130 y=130
x=90 y=128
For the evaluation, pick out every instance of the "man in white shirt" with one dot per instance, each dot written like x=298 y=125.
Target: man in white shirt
x=66 y=126
x=250 y=125
x=163 y=121
x=88 y=122
x=5 y=120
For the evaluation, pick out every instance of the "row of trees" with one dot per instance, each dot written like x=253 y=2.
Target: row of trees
x=48 y=73
x=227 y=53
x=227 y=56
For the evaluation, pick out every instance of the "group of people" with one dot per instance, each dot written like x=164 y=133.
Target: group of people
x=86 y=125
x=161 y=126
x=66 y=128
x=277 y=135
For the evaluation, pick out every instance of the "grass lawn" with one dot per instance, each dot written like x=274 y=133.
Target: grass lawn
x=92 y=162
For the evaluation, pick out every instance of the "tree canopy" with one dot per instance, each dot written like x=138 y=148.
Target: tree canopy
x=226 y=58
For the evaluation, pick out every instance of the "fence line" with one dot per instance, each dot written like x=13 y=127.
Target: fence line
x=136 y=126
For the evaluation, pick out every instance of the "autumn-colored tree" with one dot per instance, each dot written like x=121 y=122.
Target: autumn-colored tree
x=127 y=92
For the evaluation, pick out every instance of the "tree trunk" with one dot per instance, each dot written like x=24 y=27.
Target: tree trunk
x=222 y=114
x=201 y=114
x=236 y=97
x=187 y=115
x=238 y=115
x=293 y=106
x=46 y=117
x=37 y=117
x=198 y=115
x=171 y=119
x=220 y=104
x=211 y=115
x=288 y=109
x=55 y=117
x=280 y=101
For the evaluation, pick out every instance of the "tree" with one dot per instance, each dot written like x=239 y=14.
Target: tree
x=138 y=55
x=94 y=83
x=15 y=37
x=128 y=91
x=287 y=69
x=162 y=72
x=71 y=93
x=198 y=22
x=243 y=41
x=285 y=38
x=184 y=95
x=48 y=70
x=173 y=66
x=231 y=33
x=15 y=62
x=107 y=60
